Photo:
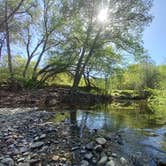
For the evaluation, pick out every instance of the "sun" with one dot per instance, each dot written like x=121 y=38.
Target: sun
x=103 y=15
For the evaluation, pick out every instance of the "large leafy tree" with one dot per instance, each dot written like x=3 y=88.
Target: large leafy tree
x=73 y=34
x=122 y=29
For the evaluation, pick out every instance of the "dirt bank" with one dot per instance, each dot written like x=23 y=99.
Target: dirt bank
x=48 y=97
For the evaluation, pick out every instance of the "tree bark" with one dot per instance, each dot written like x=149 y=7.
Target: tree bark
x=82 y=68
x=38 y=61
x=11 y=14
x=8 y=42
x=78 y=68
x=26 y=67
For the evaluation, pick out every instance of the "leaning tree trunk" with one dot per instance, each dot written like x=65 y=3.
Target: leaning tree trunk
x=26 y=67
x=82 y=68
x=78 y=76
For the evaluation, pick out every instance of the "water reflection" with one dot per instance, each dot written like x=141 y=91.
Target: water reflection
x=141 y=128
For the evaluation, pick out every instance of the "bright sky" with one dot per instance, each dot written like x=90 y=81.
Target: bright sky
x=155 y=35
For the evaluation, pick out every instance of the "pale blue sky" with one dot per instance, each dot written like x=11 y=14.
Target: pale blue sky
x=155 y=35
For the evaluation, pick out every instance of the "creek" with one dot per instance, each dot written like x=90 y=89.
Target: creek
x=143 y=130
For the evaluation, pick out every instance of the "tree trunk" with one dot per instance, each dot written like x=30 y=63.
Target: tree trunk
x=11 y=14
x=82 y=68
x=26 y=67
x=8 y=42
x=34 y=76
x=73 y=117
x=78 y=68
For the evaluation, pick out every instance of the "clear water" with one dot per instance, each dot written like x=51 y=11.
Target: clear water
x=142 y=129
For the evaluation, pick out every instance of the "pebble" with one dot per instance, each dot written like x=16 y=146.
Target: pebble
x=63 y=159
x=94 y=160
x=90 y=146
x=21 y=159
x=55 y=158
x=98 y=148
x=83 y=151
x=88 y=156
x=110 y=163
x=75 y=148
x=101 y=141
x=36 y=138
x=24 y=164
x=36 y=145
x=43 y=136
x=102 y=161
x=84 y=163
x=23 y=149
x=123 y=160
x=8 y=161
x=114 y=155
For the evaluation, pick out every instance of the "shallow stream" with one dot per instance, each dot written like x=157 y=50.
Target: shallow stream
x=143 y=131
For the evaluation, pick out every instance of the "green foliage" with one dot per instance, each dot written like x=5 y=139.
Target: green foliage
x=67 y=42
x=61 y=79
x=162 y=76
x=18 y=65
x=30 y=83
x=157 y=101
x=137 y=77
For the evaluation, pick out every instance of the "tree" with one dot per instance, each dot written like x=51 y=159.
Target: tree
x=10 y=25
x=73 y=32
x=123 y=29
x=102 y=64
x=49 y=37
x=10 y=15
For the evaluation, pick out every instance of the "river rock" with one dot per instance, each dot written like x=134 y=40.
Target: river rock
x=94 y=160
x=120 y=141
x=98 y=148
x=8 y=161
x=102 y=161
x=83 y=151
x=24 y=164
x=36 y=145
x=52 y=102
x=84 y=163
x=21 y=159
x=110 y=163
x=88 y=156
x=90 y=146
x=36 y=138
x=63 y=159
x=114 y=155
x=23 y=149
x=101 y=141
x=75 y=148
x=55 y=158
x=10 y=141
x=123 y=160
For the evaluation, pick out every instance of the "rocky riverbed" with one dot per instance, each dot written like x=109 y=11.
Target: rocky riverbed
x=28 y=137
